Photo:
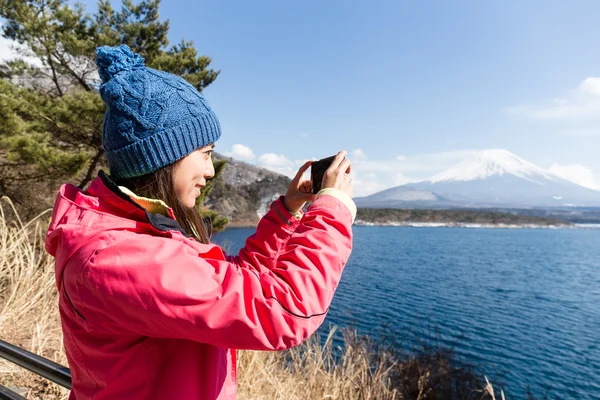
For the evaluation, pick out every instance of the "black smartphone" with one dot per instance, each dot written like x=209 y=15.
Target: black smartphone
x=317 y=171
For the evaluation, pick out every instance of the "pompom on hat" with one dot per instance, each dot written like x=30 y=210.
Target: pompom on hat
x=153 y=118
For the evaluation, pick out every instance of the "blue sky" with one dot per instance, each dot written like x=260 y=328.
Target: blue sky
x=408 y=88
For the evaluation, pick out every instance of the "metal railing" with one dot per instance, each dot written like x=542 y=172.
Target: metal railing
x=34 y=363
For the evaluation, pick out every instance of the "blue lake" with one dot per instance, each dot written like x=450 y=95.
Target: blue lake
x=522 y=304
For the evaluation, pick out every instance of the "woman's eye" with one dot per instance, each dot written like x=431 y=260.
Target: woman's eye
x=209 y=153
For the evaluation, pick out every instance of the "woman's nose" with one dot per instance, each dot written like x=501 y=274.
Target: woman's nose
x=210 y=171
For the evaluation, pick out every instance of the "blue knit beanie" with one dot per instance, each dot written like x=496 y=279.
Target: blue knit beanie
x=153 y=118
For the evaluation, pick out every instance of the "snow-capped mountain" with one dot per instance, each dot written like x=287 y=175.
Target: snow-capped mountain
x=489 y=163
x=496 y=178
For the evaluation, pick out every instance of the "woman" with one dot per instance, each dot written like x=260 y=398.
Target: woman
x=149 y=308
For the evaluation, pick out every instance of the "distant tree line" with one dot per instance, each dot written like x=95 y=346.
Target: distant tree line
x=386 y=215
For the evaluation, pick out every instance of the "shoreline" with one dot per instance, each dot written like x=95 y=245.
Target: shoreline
x=467 y=225
x=464 y=225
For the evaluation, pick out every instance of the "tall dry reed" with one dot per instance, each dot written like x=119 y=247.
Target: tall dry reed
x=360 y=369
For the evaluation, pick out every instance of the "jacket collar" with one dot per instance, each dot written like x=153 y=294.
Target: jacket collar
x=107 y=190
x=155 y=206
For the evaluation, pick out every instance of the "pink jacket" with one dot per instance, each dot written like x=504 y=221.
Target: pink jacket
x=148 y=313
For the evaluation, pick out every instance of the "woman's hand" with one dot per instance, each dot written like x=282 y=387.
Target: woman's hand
x=298 y=192
x=337 y=175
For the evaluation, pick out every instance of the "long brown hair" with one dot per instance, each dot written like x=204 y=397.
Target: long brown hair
x=159 y=185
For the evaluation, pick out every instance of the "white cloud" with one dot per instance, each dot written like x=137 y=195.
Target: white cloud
x=364 y=184
x=576 y=173
x=358 y=155
x=274 y=160
x=367 y=185
x=590 y=85
x=436 y=161
x=280 y=163
x=401 y=179
x=362 y=188
x=371 y=176
x=420 y=165
x=241 y=152
x=583 y=103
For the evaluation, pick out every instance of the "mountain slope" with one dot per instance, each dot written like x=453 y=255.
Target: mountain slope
x=400 y=196
x=244 y=192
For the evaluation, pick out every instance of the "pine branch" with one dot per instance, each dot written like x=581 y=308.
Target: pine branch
x=54 y=75
x=66 y=66
x=91 y=168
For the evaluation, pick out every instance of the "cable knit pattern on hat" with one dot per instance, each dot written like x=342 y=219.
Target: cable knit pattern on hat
x=153 y=118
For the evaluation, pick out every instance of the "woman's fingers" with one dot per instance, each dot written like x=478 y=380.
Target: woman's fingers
x=339 y=157
x=302 y=170
x=345 y=166
x=305 y=187
x=338 y=175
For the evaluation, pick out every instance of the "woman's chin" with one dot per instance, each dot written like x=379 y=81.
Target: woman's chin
x=194 y=196
x=189 y=202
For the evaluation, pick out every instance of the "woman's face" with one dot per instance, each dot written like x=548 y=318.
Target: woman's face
x=190 y=175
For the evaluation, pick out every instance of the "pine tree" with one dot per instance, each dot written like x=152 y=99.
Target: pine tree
x=50 y=111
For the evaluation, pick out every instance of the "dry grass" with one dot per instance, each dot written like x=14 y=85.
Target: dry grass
x=314 y=371
x=362 y=369
x=28 y=301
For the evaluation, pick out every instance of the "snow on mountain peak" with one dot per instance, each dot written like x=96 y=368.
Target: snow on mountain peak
x=492 y=162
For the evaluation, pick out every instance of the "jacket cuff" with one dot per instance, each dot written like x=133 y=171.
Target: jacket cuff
x=284 y=215
x=341 y=196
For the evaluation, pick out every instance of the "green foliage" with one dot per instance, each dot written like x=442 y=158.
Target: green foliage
x=218 y=221
x=210 y=183
x=34 y=148
x=50 y=112
x=53 y=138
x=10 y=122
